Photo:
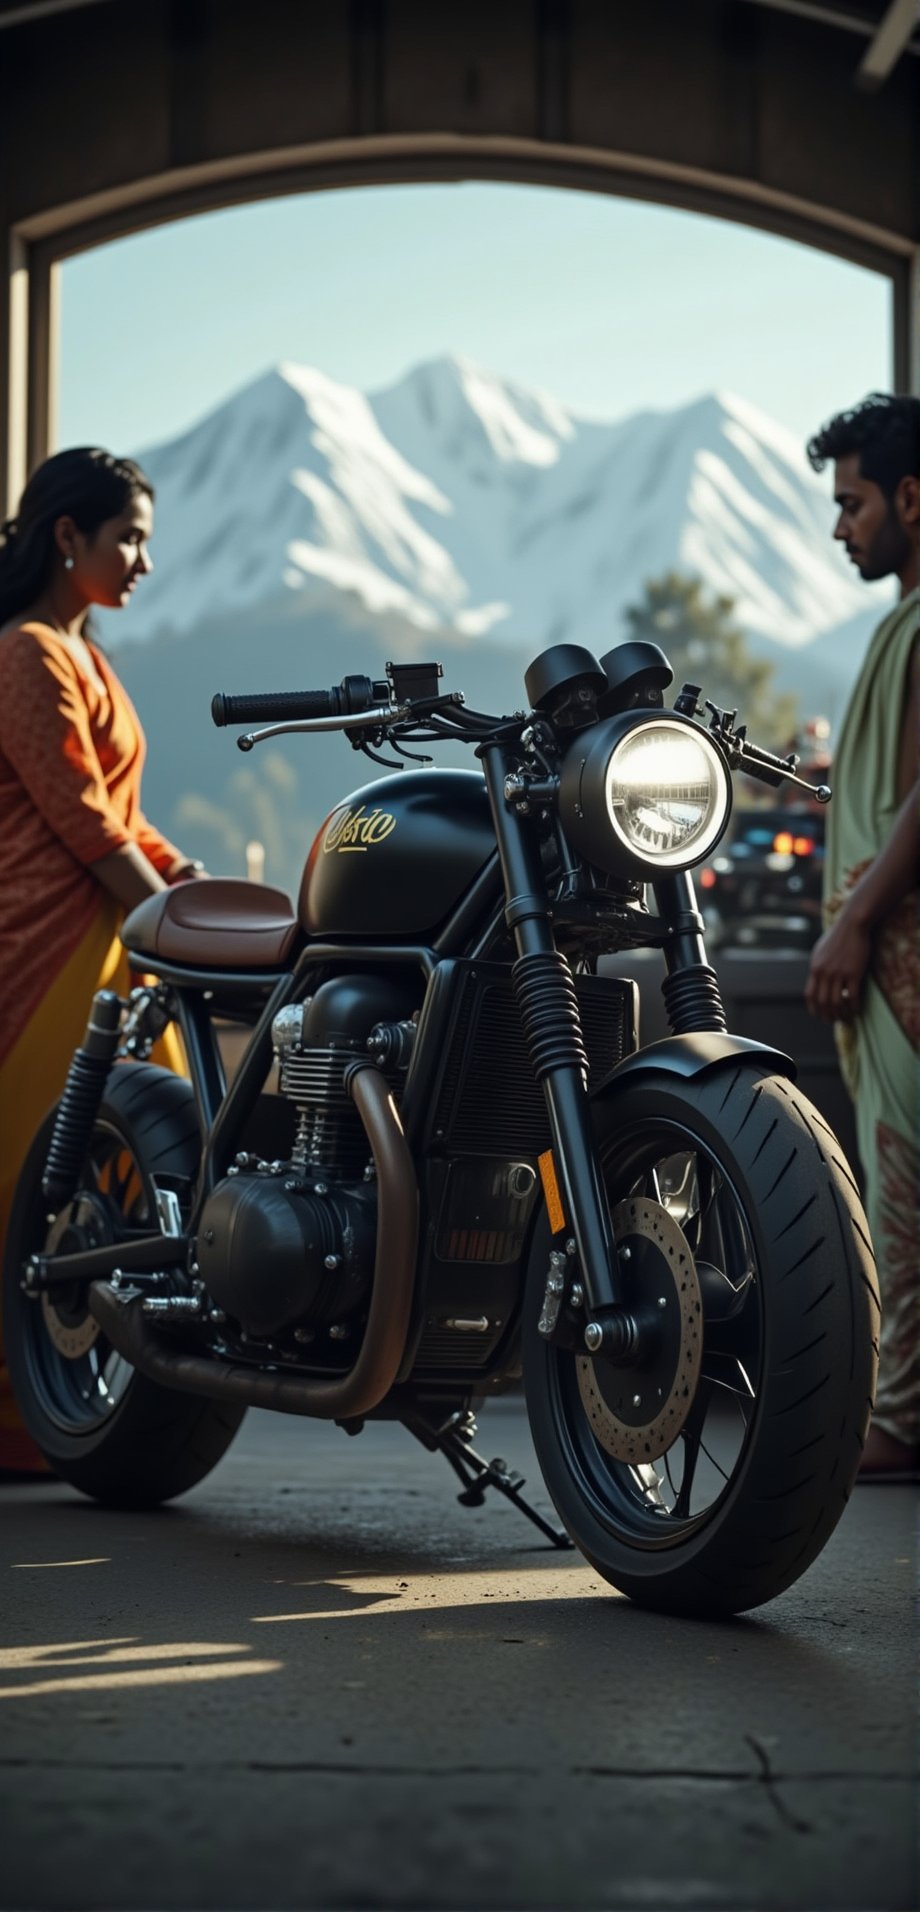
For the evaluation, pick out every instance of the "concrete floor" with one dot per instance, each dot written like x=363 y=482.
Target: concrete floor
x=320 y=1682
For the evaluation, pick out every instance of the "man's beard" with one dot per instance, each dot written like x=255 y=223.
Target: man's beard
x=889 y=551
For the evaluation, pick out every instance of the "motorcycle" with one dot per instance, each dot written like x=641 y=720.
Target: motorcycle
x=446 y=1163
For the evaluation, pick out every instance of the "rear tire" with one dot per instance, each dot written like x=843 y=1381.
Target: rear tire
x=771 y=1212
x=103 y=1427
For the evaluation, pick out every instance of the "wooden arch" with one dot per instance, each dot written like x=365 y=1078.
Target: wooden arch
x=796 y=116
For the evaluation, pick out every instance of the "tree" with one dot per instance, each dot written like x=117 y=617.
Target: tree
x=705 y=645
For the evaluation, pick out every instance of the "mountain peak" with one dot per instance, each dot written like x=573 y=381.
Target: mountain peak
x=446 y=370
x=472 y=415
x=776 y=437
x=308 y=381
x=457 y=498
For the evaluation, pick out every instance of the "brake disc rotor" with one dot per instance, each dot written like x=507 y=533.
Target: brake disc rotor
x=69 y=1325
x=637 y=1413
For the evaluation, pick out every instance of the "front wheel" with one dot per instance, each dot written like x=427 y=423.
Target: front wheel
x=102 y=1426
x=708 y=1479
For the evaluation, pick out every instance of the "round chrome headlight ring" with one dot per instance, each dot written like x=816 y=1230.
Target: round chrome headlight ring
x=667 y=793
x=644 y=791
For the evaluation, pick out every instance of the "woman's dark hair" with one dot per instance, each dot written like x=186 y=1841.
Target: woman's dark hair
x=87 y=485
x=884 y=430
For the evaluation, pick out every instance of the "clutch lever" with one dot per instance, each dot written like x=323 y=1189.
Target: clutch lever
x=348 y=720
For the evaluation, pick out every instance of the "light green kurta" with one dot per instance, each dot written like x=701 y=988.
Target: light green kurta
x=879 y=1063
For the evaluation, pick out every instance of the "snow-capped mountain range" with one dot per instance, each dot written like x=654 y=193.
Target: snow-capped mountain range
x=457 y=500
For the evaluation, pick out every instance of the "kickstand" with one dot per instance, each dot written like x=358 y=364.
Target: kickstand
x=454 y=1440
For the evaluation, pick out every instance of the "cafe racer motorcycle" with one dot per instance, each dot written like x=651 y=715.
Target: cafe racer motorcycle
x=446 y=1160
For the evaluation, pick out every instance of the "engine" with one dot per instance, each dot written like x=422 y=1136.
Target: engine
x=286 y=1249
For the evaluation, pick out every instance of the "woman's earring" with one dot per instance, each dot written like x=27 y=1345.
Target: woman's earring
x=68 y=564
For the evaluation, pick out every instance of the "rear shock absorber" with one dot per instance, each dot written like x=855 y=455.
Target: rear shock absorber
x=80 y=1102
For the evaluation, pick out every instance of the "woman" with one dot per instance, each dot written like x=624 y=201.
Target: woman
x=76 y=851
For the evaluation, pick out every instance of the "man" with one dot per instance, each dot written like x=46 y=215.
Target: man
x=865 y=971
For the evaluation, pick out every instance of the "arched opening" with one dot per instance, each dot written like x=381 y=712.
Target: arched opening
x=551 y=527
x=39 y=245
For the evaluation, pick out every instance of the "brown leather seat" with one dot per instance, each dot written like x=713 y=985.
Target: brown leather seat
x=216 y=923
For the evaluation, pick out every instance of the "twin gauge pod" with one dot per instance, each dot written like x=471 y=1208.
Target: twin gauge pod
x=639 y=785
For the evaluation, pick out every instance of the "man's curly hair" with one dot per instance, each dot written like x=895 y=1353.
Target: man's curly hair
x=884 y=430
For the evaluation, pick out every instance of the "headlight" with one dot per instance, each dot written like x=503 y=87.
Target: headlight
x=667 y=794
x=647 y=793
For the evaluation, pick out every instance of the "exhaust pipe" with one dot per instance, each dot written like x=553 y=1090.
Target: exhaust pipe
x=340 y=1397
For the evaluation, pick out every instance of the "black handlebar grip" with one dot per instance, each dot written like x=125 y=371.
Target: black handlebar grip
x=269 y=707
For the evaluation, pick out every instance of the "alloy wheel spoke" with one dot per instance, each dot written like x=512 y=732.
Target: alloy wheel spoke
x=672 y=1167
x=692 y=1437
x=724 y=1371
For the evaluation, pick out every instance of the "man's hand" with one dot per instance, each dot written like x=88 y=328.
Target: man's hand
x=840 y=960
x=838 y=966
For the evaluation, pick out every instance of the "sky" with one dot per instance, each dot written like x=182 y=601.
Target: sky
x=610 y=305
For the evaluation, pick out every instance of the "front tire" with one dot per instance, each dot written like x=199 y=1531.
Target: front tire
x=731 y=1511
x=103 y=1427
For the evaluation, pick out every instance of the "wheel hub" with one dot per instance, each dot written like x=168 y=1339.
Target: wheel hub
x=636 y=1413
x=70 y=1327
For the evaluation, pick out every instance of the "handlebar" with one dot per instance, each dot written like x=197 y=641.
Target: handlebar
x=408 y=689
x=768 y=768
x=354 y=694
x=764 y=764
x=756 y=762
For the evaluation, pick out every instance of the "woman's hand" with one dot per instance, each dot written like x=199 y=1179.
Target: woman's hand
x=185 y=870
x=839 y=962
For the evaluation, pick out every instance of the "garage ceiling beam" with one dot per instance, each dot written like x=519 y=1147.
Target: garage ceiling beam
x=888 y=43
x=847 y=19
x=17 y=16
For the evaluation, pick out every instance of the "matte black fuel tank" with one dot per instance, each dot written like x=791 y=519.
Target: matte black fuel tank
x=396 y=857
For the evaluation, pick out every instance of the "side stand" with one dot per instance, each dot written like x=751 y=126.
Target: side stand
x=454 y=1440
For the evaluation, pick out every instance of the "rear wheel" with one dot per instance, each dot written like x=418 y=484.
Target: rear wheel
x=709 y=1479
x=102 y=1426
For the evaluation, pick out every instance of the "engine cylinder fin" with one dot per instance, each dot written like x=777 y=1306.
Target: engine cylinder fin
x=329 y=1133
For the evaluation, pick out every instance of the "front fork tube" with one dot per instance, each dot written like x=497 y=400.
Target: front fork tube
x=550 y=1014
x=691 y=988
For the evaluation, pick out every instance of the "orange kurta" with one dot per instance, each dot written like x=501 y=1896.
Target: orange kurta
x=70 y=768
x=70 y=775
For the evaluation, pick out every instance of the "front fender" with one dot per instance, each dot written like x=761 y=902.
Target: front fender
x=697 y=1053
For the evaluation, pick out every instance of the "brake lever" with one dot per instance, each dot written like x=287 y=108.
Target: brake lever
x=767 y=769
x=764 y=765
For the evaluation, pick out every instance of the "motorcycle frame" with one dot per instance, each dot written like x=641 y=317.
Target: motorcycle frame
x=510 y=895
